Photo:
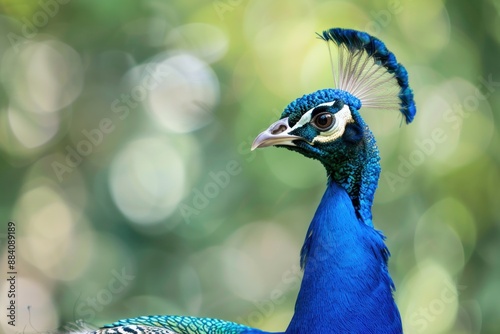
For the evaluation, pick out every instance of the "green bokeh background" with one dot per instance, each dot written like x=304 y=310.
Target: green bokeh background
x=168 y=211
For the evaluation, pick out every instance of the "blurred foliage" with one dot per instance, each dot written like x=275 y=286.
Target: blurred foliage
x=125 y=162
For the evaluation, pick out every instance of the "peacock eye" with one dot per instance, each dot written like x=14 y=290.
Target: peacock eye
x=323 y=121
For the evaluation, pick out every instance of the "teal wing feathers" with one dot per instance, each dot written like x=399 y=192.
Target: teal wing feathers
x=174 y=325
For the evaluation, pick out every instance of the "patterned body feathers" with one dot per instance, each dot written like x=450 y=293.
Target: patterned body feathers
x=174 y=325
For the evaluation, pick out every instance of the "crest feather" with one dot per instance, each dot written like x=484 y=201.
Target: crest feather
x=365 y=68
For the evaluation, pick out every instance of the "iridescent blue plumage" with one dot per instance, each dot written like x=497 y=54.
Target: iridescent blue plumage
x=346 y=286
x=299 y=106
x=180 y=324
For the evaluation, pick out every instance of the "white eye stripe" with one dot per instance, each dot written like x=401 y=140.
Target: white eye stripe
x=342 y=117
x=306 y=118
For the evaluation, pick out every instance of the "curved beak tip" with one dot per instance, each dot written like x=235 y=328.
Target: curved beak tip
x=271 y=137
x=260 y=141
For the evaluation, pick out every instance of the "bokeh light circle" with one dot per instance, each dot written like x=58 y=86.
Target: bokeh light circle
x=43 y=76
x=206 y=41
x=180 y=91
x=147 y=180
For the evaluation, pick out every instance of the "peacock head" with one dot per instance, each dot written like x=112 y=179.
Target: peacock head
x=326 y=125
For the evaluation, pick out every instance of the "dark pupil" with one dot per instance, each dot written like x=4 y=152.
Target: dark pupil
x=323 y=120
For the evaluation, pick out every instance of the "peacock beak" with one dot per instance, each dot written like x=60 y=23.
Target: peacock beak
x=276 y=134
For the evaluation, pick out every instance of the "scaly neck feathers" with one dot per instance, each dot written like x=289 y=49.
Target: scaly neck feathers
x=346 y=286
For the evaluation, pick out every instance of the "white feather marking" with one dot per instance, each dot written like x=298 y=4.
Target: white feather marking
x=306 y=118
x=331 y=65
x=359 y=74
x=342 y=117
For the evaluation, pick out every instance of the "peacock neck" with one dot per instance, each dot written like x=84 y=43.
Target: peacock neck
x=356 y=167
x=346 y=287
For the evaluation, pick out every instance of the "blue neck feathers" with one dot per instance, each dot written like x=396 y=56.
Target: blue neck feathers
x=346 y=287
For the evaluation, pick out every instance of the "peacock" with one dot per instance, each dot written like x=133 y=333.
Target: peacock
x=346 y=286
